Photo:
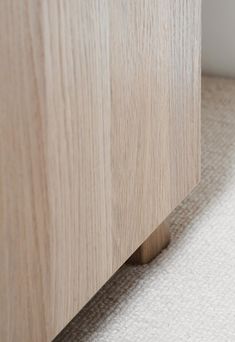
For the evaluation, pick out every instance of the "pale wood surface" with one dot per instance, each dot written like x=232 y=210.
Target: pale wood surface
x=99 y=141
x=152 y=246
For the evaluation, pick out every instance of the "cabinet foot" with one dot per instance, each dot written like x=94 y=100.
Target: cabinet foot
x=151 y=247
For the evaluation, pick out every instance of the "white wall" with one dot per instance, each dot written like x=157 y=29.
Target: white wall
x=218 y=37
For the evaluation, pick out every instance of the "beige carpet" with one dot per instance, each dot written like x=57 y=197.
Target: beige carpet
x=188 y=292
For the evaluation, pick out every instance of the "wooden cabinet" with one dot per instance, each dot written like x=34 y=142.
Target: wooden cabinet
x=99 y=142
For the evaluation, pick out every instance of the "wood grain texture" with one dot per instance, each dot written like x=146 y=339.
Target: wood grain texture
x=99 y=141
x=152 y=246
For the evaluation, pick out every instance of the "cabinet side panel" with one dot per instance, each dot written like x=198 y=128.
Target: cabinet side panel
x=185 y=97
x=155 y=104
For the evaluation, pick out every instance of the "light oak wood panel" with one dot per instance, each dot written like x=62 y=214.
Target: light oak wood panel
x=78 y=152
x=99 y=141
x=24 y=211
x=155 y=82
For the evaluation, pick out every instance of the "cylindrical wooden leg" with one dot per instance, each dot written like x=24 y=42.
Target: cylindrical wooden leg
x=151 y=247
